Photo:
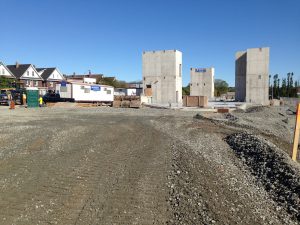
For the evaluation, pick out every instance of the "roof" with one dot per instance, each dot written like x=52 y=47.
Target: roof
x=47 y=72
x=87 y=84
x=80 y=76
x=18 y=72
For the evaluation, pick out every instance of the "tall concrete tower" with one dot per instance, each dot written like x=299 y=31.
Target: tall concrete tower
x=162 y=76
x=202 y=82
x=252 y=75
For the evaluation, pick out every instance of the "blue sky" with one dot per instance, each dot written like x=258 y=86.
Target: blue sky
x=109 y=36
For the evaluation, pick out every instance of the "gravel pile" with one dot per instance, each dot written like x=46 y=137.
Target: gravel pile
x=230 y=117
x=255 y=109
x=272 y=169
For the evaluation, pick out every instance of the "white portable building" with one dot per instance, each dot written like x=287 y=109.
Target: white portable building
x=84 y=92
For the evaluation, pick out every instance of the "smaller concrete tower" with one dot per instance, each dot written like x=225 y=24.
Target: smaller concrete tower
x=202 y=82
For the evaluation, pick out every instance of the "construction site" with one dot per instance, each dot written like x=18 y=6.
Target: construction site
x=147 y=154
x=101 y=165
x=150 y=112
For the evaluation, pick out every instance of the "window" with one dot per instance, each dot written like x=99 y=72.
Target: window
x=148 y=86
x=27 y=73
x=51 y=84
x=3 y=71
x=81 y=87
x=259 y=77
x=32 y=73
x=27 y=82
x=108 y=92
x=36 y=83
x=87 y=90
x=191 y=84
x=180 y=69
x=204 y=84
x=197 y=84
x=63 y=89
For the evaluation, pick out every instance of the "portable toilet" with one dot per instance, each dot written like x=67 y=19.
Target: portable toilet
x=32 y=97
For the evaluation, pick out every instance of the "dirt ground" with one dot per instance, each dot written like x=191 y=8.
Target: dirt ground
x=126 y=166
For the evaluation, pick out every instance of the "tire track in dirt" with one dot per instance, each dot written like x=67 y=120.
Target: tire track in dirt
x=99 y=179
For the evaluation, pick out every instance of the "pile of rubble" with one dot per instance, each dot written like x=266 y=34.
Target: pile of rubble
x=272 y=168
x=127 y=102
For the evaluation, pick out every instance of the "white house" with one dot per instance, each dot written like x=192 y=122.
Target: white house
x=5 y=72
x=51 y=77
x=26 y=74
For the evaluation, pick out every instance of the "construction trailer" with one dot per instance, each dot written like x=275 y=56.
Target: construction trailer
x=85 y=92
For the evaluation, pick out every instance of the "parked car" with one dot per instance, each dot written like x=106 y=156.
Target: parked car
x=15 y=93
x=3 y=99
x=54 y=97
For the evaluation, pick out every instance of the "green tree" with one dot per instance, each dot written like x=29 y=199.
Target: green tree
x=283 y=88
x=221 y=87
x=295 y=89
x=231 y=89
x=270 y=86
x=186 y=90
x=288 y=84
x=6 y=82
x=275 y=86
x=111 y=81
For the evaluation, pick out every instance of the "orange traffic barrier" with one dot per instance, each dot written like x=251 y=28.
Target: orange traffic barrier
x=12 y=105
x=296 y=134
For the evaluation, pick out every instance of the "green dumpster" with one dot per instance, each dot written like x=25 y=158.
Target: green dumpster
x=32 y=97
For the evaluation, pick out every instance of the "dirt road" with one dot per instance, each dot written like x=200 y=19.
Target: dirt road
x=89 y=166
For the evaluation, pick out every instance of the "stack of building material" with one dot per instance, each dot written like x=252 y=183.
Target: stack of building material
x=223 y=110
x=195 y=101
x=127 y=102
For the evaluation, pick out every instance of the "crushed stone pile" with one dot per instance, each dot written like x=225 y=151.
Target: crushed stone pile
x=230 y=117
x=255 y=109
x=272 y=168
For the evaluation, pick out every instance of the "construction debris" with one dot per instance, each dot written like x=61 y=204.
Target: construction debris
x=127 y=102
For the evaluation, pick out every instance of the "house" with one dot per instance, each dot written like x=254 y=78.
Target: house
x=51 y=77
x=80 y=77
x=27 y=75
x=137 y=84
x=230 y=95
x=5 y=72
x=128 y=91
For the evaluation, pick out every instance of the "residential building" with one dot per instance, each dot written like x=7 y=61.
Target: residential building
x=80 y=77
x=162 y=76
x=5 y=72
x=27 y=75
x=51 y=77
x=252 y=76
x=202 y=82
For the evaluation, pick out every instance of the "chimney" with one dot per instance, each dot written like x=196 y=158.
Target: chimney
x=17 y=65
